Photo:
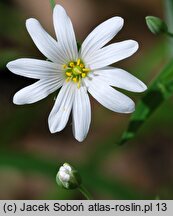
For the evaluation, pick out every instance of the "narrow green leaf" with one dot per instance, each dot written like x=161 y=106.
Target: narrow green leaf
x=159 y=91
x=169 y=19
x=52 y=4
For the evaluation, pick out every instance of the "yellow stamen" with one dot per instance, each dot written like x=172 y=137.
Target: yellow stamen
x=71 y=64
x=68 y=79
x=75 y=79
x=68 y=74
x=83 y=75
x=75 y=71
x=78 y=62
x=82 y=65
x=86 y=69
x=78 y=85
x=64 y=66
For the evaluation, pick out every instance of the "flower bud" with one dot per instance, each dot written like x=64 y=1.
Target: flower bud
x=156 y=25
x=68 y=177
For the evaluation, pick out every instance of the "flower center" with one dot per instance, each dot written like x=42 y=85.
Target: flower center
x=75 y=71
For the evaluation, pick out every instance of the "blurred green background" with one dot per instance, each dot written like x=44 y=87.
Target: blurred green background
x=30 y=156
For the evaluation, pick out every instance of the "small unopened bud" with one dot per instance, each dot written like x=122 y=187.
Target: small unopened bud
x=68 y=177
x=156 y=25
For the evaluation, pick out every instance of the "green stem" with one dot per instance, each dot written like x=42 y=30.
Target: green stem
x=85 y=192
x=169 y=19
x=52 y=4
x=169 y=34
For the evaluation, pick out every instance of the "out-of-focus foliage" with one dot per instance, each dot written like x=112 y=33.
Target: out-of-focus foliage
x=11 y=33
x=159 y=91
x=169 y=18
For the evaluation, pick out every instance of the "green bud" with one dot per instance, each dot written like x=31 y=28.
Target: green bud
x=68 y=177
x=156 y=25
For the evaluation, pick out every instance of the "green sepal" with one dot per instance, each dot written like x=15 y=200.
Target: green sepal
x=74 y=182
x=156 y=25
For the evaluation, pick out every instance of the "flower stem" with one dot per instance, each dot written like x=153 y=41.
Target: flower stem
x=169 y=34
x=169 y=18
x=85 y=192
x=52 y=4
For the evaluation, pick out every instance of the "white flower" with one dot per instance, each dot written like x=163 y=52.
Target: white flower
x=68 y=177
x=77 y=72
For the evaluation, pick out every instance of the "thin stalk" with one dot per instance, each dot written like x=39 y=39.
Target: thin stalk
x=85 y=192
x=169 y=34
x=169 y=19
x=52 y=4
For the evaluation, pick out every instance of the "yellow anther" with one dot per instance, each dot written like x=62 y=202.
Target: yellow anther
x=86 y=69
x=78 y=62
x=78 y=85
x=64 y=66
x=75 y=71
x=68 y=74
x=68 y=79
x=75 y=79
x=83 y=75
x=81 y=65
x=71 y=64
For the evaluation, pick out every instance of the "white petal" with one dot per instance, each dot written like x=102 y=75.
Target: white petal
x=121 y=79
x=36 y=91
x=33 y=68
x=62 y=169
x=109 y=97
x=111 y=54
x=64 y=177
x=65 y=33
x=59 y=115
x=44 y=42
x=101 y=35
x=81 y=114
x=67 y=167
